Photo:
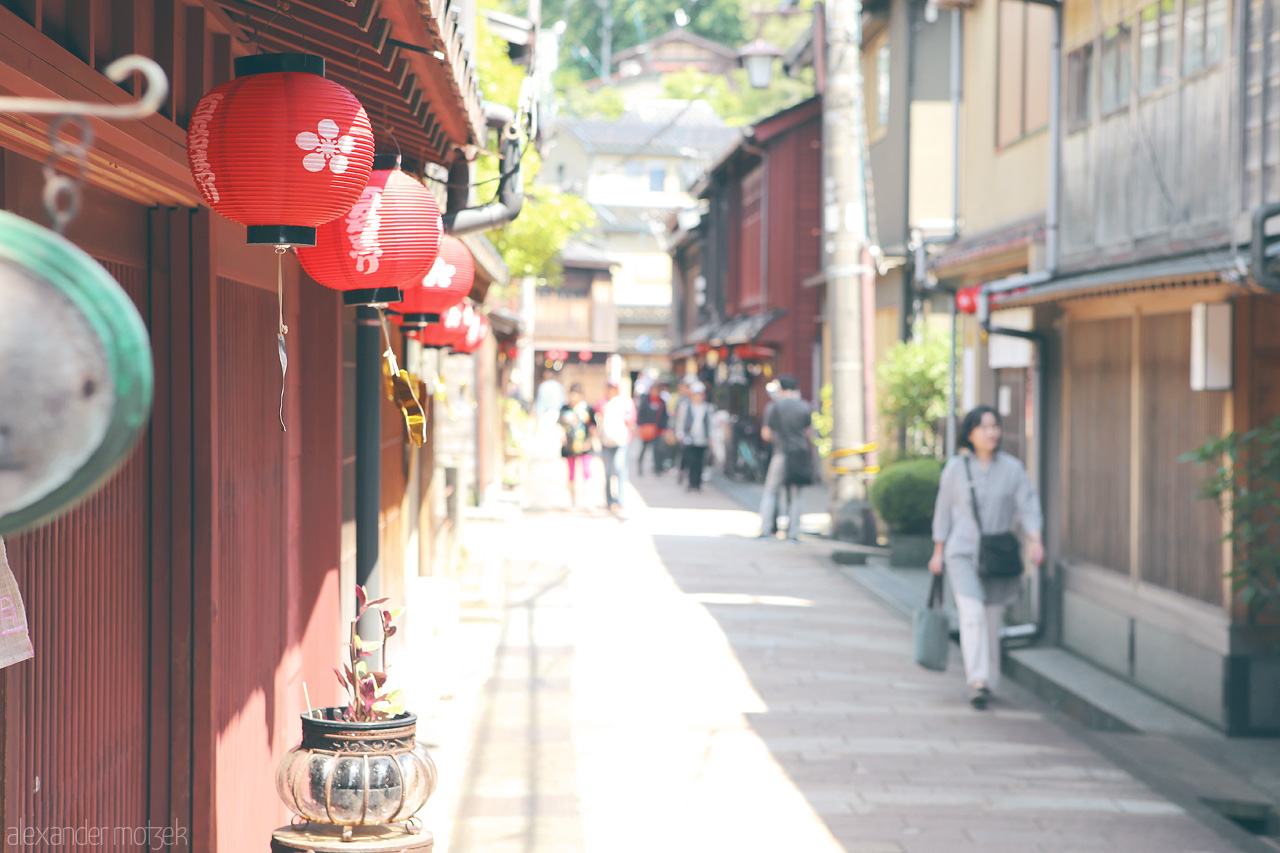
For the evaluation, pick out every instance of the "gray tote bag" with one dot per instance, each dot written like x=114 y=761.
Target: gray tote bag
x=933 y=633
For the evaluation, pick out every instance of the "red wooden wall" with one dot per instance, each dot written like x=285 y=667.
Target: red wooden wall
x=795 y=246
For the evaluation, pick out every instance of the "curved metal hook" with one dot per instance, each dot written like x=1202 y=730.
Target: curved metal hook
x=156 y=88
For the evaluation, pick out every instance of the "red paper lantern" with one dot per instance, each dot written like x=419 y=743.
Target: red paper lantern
x=446 y=331
x=447 y=284
x=477 y=331
x=388 y=240
x=967 y=299
x=280 y=149
x=469 y=320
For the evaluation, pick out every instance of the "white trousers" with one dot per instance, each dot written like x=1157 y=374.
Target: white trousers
x=980 y=639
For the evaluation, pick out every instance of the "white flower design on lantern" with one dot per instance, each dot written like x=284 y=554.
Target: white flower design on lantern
x=327 y=149
x=441 y=274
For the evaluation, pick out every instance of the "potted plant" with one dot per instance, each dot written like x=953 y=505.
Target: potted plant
x=359 y=764
x=903 y=494
x=1244 y=481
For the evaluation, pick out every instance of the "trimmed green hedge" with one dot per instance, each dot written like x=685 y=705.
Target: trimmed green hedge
x=904 y=493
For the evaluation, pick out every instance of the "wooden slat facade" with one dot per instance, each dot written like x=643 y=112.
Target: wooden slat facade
x=1098 y=362
x=79 y=715
x=749 y=284
x=1155 y=176
x=1139 y=515
x=177 y=612
x=1179 y=546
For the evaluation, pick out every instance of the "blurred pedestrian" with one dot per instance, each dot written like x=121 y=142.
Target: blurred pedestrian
x=550 y=396
x=983 y=494
x=693 y=428
x=651 y=420
x=676 y=407
x=787 y=427
x=578 y=423
x=617 y=417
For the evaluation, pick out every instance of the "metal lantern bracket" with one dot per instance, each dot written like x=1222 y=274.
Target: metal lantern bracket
x=62 y=192
x=96 y=297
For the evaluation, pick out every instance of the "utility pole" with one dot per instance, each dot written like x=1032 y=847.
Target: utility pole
x=845 y=253
x=606 y=41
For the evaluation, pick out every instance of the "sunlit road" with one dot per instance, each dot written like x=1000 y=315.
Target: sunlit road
x=669 y=683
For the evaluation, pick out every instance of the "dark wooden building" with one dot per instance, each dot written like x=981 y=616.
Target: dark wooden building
x=177 y=613
x=747 y=303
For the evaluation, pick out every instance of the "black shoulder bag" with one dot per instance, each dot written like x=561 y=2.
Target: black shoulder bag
x=999 y=554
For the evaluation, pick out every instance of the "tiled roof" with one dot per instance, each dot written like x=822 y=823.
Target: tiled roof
x=661 y=128
x=578 y=253
x=618 y=217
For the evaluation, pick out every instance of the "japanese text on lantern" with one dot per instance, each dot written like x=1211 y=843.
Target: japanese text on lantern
x=199 y=146
x=363 y=222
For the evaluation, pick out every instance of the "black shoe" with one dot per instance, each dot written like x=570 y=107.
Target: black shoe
x=980 y=697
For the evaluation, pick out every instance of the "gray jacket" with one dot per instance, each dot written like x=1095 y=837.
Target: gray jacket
x=1006 y=500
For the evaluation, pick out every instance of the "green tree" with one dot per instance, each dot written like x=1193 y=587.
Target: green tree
x=732 y=96
x=638 y=21
x=912 y=378
x=577 y=99
x=530 y=244
x=1245 y=484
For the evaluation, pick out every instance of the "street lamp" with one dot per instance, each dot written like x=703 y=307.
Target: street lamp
x=757 y=57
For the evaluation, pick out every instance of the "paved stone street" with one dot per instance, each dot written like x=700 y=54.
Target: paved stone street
x=669 y=683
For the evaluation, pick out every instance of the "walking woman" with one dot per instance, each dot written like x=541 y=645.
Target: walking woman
x=578 y=424
x=983 y=492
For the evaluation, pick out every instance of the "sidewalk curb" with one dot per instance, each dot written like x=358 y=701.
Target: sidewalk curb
x=1117 y=739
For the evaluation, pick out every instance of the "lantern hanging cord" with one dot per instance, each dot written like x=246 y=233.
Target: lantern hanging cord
x=282 y=330
x=386 y=336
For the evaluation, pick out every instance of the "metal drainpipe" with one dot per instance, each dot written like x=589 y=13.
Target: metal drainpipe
x=907 y=292
x=957 y=70
x=1055 y=144
x=510 y=195
x=1031 y=633
x=368 y=379
x=951 y=383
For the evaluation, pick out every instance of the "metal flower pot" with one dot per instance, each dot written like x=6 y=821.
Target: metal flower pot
x=356 y=774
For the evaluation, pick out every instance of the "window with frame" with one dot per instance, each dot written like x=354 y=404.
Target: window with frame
x=1080 y=87
x=876 y=85
x=657 y=177
x=1157 y=45
x=1204 y=32
x=1116 y=77
x=1022 y=86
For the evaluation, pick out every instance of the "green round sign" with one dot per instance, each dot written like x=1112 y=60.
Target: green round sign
x=76 y=377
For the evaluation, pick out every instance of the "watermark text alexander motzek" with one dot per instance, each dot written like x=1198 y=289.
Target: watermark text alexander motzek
x=23 y=837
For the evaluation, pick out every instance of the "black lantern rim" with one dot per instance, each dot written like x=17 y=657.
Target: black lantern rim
x=372 y=296
x=281 y=235
x=275 y=63
x=422 y=319
x=386 y=162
